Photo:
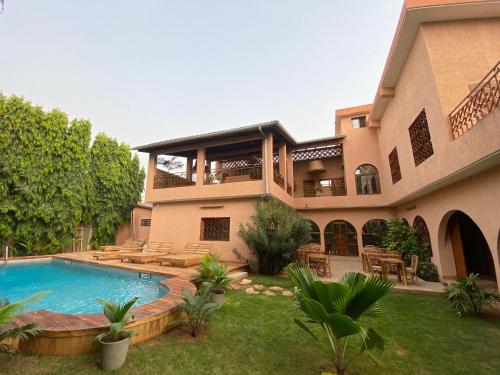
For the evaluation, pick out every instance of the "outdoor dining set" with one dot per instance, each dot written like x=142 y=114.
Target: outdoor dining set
x=383 y=262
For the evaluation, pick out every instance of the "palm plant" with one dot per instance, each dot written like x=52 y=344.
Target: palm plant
x=8 y=312
x=468 y=297
x=197 y=309
x=118 y=317
x=213 y=273
x=337 y=309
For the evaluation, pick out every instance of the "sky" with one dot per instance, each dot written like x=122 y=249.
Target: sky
x=145 y=71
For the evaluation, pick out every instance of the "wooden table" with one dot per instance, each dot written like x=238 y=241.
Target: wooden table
x=386 y=262
x=319 y=258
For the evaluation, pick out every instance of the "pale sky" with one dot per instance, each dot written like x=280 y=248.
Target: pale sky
x=144 y=71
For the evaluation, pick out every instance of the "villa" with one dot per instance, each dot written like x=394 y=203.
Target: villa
x=427 y=150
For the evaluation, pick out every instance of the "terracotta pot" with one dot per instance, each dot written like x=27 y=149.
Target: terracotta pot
x=113 y=354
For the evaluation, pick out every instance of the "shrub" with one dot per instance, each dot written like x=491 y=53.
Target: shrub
x=337 y=308
x=213 y=274
x=468 y=297
x=273 y=235
x=197 y=309
x=403 y=238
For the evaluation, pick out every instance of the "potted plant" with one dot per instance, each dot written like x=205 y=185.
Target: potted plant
x=214 y=275
x=116 y=341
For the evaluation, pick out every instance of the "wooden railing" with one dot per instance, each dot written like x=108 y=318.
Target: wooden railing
x=336 y=189
x=174 y=180
x=222 y=176
x=482 y=100
x=278 y=178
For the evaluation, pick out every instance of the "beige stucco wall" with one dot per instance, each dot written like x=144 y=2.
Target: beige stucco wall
x=180 y=222
x=133 y=229
x=478 y=197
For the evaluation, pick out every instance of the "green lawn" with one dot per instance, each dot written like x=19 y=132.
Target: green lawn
x=256 y=335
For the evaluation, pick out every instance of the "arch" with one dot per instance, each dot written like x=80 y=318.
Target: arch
x=315 y=232
x=466 y=245
x=367 y=180
x=341 y=238
x=373 y=231
x=422 y=230
x=405 y=222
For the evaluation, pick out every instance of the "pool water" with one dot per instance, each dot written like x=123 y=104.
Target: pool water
x=74 y=287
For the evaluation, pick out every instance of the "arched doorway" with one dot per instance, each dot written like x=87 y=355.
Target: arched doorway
x=423 y=235
x=405 y=222
x=315 y=233
x=341 y=238
x=470 y=249
x=373 y=232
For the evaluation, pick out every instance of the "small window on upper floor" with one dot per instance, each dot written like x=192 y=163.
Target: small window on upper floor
x=367 y=180
x=145 y=222
x=358 y=122
x=420 y=138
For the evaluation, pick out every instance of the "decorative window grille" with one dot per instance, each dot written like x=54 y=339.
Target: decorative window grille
x=145 y=222
x=420 y=138
x=394 y=164
x=214 y=229
x=422 y=231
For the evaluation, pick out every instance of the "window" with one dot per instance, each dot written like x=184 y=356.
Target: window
x=367 y=180
x=325 y=183
x=420 y=138
x=145 y=222
x=214 y=229
x=394 y=164
x=358 y=122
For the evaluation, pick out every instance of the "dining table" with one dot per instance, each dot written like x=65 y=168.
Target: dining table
x=386 y=263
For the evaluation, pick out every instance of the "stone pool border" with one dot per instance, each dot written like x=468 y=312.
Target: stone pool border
x=66 y=334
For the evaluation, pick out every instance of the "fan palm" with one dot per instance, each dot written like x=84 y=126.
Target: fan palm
x=9 y=330
x=337 y=308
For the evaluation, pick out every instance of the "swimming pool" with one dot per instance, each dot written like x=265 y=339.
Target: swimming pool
x=75 y=287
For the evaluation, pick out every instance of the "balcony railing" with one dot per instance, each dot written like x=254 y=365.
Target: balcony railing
x=482 y=100
x=224 y=176
x=337 y=188
x=174 y=180
x=278 y=178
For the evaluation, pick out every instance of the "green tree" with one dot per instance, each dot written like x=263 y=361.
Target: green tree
x=43 y=175
x=274 y=233
x=117 y=184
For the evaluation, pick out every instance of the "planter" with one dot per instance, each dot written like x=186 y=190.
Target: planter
x=113 y=354
x=217 y=297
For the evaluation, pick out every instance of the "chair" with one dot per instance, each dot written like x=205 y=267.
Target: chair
x=374 y=268
x=412 y=270
x=190 y=256
x=114 y=251
x=152 y=251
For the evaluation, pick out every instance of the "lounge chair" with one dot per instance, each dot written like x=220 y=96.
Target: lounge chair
x=152 y=251
x=190 y=256
x=114 y=251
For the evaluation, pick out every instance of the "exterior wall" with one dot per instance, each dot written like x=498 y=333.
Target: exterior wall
x=333 y=168
x=133 y=229
x=180 y=222
x=478 y=197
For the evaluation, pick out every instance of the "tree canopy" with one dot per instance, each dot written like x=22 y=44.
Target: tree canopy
x=52 y=179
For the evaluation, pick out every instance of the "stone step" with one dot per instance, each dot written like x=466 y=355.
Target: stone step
x=238 y=275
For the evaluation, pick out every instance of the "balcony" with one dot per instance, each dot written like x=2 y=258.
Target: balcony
x=478 y=104
x=163 y=180
x=327 y=187
x=224 y=176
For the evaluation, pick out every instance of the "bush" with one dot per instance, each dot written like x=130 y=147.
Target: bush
x=468 y=298
x=274 y=234
x=403 y=238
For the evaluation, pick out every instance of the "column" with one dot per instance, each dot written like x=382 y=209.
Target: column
x=200 y=166
x=289 y=169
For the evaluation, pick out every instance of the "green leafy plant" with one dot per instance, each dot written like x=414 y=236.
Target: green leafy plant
x=274 y=233
x=8 y=312
x=403 y=238
x=197 y=308
x=213 y=274
x=118 y=316
x=337 y=309
x=468 y=297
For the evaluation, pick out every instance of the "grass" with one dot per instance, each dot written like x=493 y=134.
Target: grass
x=255 y=334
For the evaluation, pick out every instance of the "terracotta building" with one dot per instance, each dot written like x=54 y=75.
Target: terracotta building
x=426 y=150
